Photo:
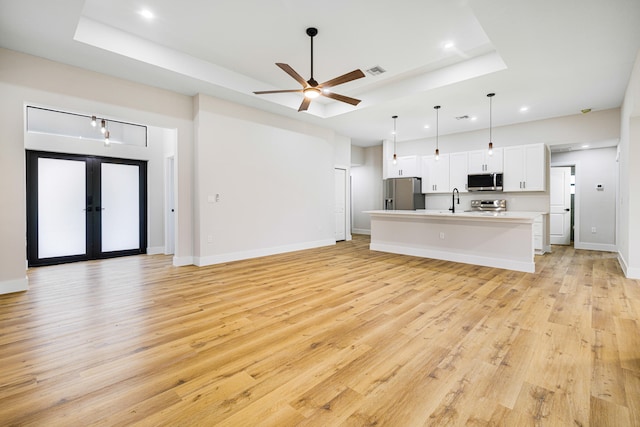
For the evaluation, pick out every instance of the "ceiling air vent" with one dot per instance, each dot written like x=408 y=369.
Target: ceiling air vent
x=462 y=117
x=376 y=71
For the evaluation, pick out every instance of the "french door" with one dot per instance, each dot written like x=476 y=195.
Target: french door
x=84 y=207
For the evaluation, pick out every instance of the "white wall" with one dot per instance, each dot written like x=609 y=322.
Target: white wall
x=366 y=187
x=593 y=208
x=629 y=201
x=595 y=127
x=273 y=178
x=26 y=79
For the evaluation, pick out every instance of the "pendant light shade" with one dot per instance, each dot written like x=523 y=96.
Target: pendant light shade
x=103 y=126
x=490 y=95
x=107 y=142
x=395 y=157
x=94 y=121
x=437 y=108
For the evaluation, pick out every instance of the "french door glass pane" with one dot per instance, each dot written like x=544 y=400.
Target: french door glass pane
x=61 y=208
x=120 y=207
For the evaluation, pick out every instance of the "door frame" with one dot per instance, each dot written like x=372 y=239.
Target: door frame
x=576 y=208
x=93 y=230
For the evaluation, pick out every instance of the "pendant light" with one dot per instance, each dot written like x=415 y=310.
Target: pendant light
x=395 y=157
x=93 y=121
x=107 y=142
x=103 y=126
x=490 y=95
x=437 y=108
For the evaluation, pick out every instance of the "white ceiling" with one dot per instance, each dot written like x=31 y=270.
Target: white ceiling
x=556 y=57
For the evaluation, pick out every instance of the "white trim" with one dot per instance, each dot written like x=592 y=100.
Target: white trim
x=629 y=273
x=366 y=231
x=155 y=250
x=182 y=261
x=15 y=285
x=527 y=267
x=606 y=247
x=255 y=253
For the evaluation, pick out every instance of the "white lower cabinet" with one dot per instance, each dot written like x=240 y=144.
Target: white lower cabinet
x=538 y=231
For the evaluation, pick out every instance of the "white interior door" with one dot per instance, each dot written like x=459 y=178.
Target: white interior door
x=340 y=178
x=560 y=213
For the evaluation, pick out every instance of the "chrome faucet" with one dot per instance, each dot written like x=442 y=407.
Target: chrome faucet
x=453 y=200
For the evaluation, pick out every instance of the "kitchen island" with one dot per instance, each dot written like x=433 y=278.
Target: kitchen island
x=492 y=239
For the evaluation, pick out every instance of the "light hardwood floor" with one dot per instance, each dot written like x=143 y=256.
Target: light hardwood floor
x=330 y=336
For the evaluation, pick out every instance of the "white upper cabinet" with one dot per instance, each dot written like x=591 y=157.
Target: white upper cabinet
x=481 y=162
x=405 y=167
x=525 y=168
x=435 y=174
x=458 y=171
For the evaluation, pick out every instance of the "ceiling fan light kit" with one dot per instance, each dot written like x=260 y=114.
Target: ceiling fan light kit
x=311 y=88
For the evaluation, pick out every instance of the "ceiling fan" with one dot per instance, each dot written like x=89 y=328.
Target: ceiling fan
x=311 y=88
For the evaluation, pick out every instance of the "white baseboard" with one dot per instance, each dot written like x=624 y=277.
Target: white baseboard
x=15 y=285
x=527 y=267
x=155 y=250
x=605 y=247
x=255 y=253
x=366 y=231
x=182 y=261
x=629 y=273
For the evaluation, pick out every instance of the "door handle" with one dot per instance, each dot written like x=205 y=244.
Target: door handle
x=567 y=210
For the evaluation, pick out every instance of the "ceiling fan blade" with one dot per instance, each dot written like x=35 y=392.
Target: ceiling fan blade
x=277 y=91
x=305 y=104
x=342 y=98
x=355 y=74
x=287 y=69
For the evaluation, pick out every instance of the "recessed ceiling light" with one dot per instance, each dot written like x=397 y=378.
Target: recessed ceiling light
x=448 y=45
x=524 y=108
x=585 y=146
x=474 y=118
x=146 y=14
x=426 y=126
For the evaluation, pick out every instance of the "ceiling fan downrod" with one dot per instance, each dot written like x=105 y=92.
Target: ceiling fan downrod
x=312 y=32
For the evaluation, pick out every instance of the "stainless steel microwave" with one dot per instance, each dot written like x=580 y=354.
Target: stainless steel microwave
x=484 y=182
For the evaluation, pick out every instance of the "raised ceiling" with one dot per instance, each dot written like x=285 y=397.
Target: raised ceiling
x=554 y=57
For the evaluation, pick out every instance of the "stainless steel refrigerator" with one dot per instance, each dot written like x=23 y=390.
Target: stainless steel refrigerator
x=402 y=194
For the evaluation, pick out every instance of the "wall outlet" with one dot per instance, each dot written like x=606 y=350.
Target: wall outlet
x=593 y=229
x=442 y=235
x=209 y=238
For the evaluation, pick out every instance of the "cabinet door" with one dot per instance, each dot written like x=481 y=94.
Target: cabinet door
x=534 y=167
x=476 y=161
x=435 y=174
x=481 y=162
x=409 y=166
x=458 y=167
x=405 y=167
x=524 y=168
x=513 y=169
x=494 y=161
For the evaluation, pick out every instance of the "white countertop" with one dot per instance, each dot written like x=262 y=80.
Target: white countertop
x=515 y=216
